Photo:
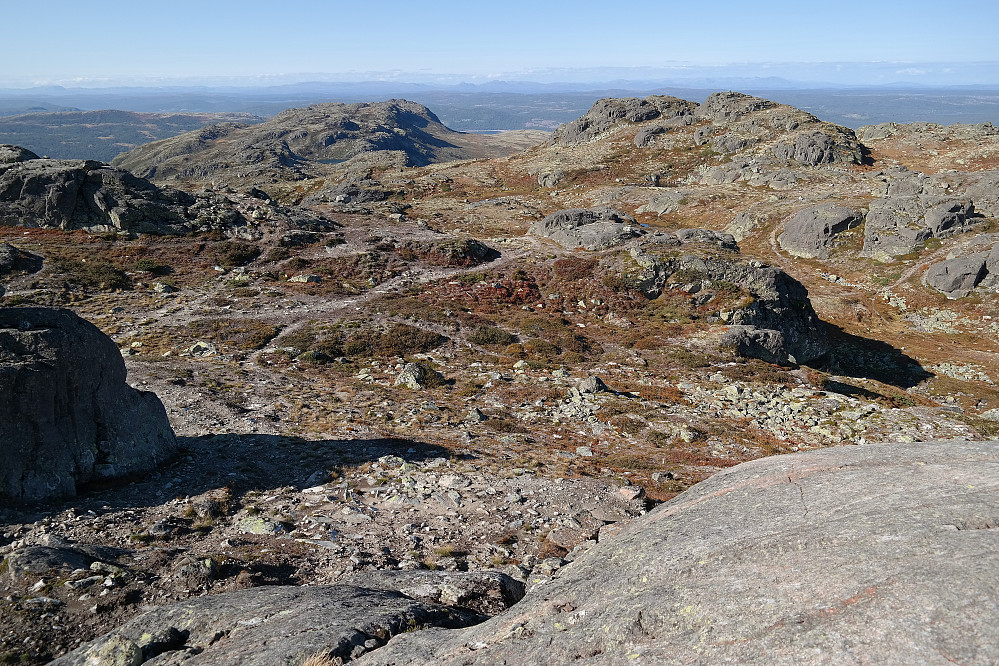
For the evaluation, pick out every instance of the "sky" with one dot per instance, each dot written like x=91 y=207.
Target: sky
x=103 y=42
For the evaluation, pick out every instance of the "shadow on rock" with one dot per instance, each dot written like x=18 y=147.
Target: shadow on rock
x=863 y=358
x=241 y=463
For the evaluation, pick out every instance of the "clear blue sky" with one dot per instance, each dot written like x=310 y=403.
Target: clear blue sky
x=57 y=40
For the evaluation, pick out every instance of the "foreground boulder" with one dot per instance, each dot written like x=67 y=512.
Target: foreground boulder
x=285 y=625
x=67 y=417
x=870 y=554
x=264 y=626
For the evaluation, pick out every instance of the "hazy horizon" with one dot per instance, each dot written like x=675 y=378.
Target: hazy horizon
x=256 y=43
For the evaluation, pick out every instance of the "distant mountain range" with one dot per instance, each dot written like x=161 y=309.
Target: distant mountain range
x=480 y=106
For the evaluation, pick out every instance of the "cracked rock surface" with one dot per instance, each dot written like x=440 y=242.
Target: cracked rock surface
x=872 y=553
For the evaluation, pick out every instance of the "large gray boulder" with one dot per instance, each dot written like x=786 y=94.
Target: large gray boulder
x=881 y=553
x=948 y=217
x=810 y=232
x=67 y=417
x=265 y=626
x=894 y=227
x=587 y=228
x=957 y=277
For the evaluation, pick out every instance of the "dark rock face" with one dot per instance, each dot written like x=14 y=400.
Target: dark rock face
x=588 y=228
x=810 y=232
x=67 y=416
x=83 y=194
x=264 y=626
x=876 y=553
x=14 y=260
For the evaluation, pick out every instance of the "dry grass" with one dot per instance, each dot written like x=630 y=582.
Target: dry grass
x=322 y=659
x=243 y=334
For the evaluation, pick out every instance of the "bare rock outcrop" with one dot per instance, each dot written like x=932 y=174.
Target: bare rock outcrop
x=775 y=322
x=814 y=147
x=729 y=105
x=298 y=143
x=606 y=113
x=588 y=228
x=11 y=154
x=67 y=417
x=810 y=232
x=767 y=563
x=96 y=197
x=740 y=122
x=959 y=276
x=268 y=625
x=84 y=194
x=898 y=225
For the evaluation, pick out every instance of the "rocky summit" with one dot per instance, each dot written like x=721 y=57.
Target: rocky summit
x=676 y=383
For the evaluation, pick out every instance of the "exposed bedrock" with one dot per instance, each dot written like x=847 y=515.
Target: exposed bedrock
x=881 y=553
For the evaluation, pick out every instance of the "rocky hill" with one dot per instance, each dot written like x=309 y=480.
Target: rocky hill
x=477 y=372
x=42 y=193
x=301 y=143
